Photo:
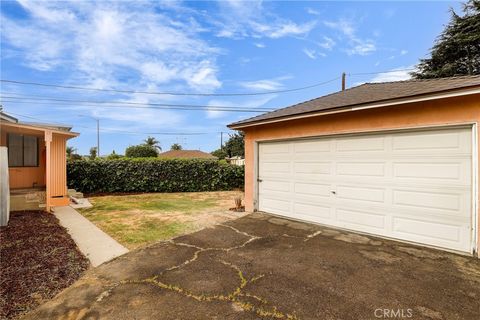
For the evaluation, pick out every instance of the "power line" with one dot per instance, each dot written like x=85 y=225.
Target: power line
x=166 y=92
x=123 y=131
x=43 y=98
x=190 y=93
x=206 y=108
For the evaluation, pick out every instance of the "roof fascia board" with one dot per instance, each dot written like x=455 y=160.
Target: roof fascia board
x=386 y=103
x=30 y=127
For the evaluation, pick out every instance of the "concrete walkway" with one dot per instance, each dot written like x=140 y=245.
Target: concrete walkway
x=95 y=244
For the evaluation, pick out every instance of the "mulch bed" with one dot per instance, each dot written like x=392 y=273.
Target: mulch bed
x=38 y=259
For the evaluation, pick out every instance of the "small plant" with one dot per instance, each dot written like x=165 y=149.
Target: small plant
x=238 y=202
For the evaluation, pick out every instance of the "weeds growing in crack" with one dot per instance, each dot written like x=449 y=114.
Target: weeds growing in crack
x=233 y=297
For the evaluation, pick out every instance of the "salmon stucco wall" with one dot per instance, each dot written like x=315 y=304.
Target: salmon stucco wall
x=27 y=177
x=448 y=111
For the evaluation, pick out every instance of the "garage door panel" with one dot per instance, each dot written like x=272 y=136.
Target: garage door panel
x=276 y=185
x=361 y=218
x=412 y=186
x=275 y=148
x=312 y=147
x=317 y=168
x=437 y=142
x=312 y=189
x=442 y=172
x=274 y=168
x=361 y=169
x=430 y=200
x=313 y=210
x=359 y=193
x=276 y=205
x=427 y=229
x=361 y=144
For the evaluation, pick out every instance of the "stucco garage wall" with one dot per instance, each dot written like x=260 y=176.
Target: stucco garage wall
x=448 y=111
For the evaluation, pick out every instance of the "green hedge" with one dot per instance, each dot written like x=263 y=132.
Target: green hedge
x=153 y=175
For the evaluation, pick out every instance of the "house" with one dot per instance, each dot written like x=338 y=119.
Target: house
x=397 y=159
x=236 y=160
x=186 y=154
x=36 y=162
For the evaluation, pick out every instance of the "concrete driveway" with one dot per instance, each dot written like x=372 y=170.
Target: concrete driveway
x=261 y=266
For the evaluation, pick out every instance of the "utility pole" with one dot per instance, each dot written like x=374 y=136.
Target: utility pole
x=343 y=81
x=221 y=140
x=98 y=137
x=98 y=131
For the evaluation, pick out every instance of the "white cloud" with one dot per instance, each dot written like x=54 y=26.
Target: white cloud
x=343 y=25
x=290 y=29
x=403 y=52
x=204 y=76
x=356 y=45
x=49 y=14
x=100 y=42
x=362 y=47
x=310 y=53
x=260 y=45
x=241 y=19
x=328 y=43
x=313 y=54
x=397 y=74
x=313 y=12
x=265 y=84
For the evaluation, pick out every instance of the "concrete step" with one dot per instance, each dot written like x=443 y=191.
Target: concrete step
x=74 y=193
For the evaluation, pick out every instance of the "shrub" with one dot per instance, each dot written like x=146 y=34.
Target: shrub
x=153 y=175
x=113 y=156
x=220 y=154
x=141 y=151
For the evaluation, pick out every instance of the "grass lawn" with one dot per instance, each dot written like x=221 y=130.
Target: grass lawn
x=136 y=220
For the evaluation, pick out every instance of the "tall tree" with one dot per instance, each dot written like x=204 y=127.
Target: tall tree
x=457 y=50
x=235 y=145
x=176 y=146
x=153 y=142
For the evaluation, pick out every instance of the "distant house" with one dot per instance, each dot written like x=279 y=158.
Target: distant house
x=36 y=163
x=236 y=160
x=186 y=154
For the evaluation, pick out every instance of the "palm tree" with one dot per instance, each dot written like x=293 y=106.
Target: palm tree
x=70 y=151
x=151 y=141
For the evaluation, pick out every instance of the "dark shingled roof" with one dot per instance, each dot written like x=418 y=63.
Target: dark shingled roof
x=368 y=93
x=186 y=154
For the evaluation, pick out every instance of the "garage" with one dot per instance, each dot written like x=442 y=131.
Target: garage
x=414 y=186
x=393 y=159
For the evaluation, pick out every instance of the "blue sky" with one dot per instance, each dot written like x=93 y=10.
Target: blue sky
x=198 y=47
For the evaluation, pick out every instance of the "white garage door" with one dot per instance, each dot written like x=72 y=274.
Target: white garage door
x=414 y=186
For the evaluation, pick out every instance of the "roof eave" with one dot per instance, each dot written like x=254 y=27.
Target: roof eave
x=378 y=104
x=71 y=134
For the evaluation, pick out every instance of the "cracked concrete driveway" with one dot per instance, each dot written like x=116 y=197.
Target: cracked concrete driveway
x=261 y=266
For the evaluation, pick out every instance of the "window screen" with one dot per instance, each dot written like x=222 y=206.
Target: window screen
x=30 y=151
x=22 y=151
